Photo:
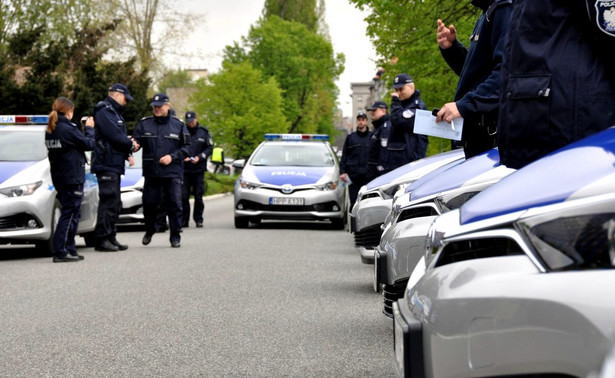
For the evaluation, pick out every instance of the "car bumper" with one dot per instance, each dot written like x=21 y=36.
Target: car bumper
x=371 y=212
x=27 y=217
x=132 y=207
x=408 y=341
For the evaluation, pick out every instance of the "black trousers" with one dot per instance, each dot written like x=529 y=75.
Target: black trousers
x=156 y=188
x=109 y=205
x=70 y=197
x=194 y=183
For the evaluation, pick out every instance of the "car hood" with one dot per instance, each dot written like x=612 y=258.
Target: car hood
x=416 y=169
x=294 y=176
x=583 y=168
x=131 y=177
x=14 y=173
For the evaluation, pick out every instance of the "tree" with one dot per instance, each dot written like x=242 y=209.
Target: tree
x=302 y=63
x=174 y=79
x=239 y=107
x=301 y=11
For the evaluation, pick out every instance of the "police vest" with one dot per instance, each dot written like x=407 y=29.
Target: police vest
x=216 y=155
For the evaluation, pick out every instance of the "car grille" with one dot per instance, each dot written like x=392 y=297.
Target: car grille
x=390 y=294
x=368 y=237
x=321 y=207
x=15 y=222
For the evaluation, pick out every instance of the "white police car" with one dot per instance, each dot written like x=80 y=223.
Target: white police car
x=290 y=177
x=131 y=186
x=29 y=210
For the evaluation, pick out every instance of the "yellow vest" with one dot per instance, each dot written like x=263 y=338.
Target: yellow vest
x=217 y=155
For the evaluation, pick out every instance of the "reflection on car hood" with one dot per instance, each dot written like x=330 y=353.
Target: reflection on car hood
x=457 y=175
x=434 y=160
x=131 y=177
x=584 y=168
x=290 y=175
x=9 y=169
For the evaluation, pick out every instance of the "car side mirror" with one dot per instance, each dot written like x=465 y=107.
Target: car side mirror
x=239 y=163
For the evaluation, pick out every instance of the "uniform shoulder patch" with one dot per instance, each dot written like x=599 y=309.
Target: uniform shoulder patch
x=605 y=16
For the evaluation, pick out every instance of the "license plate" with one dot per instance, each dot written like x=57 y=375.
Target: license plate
x=292 y=201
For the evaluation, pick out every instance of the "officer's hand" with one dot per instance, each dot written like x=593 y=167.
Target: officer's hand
x=445 y=36
x=448 y=112
x=344 y=177
x=187 y=159
x=131 y=160
x=394 y=94
x=166 y=160
x=195 y=160
x=89 y=122
x=135 y=145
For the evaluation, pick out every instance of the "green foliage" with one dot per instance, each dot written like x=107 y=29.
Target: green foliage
x=301 y=11
x=174 y=79
x=239 y=107
x=219 y=183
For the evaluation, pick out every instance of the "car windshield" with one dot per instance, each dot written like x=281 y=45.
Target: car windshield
x=22 y=145
x=294 y=154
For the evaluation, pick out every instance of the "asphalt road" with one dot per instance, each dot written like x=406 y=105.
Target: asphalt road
x=281 y=299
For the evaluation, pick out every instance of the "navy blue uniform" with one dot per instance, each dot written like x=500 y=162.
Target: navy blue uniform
x=201 y=145
x=108 y=163
x=404 y=145
x=557 y=78
x=354 y=161
x=66 y=146
x=160 y=136
x=377 y=162
x=478 y=67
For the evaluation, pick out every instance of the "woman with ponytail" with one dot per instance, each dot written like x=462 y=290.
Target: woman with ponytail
x=66 y=144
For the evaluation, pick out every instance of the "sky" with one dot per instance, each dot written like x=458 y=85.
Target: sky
x=220 y=23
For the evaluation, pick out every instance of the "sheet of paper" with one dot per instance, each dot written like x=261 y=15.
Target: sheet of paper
x=425 y=123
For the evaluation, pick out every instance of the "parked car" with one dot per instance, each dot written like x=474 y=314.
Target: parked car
x=375 y=199
x=29 y=210
x=518 y=280
x=290 y=177
x=403 y=240
x=131 y=186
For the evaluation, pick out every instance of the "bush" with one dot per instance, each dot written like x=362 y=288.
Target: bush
x=219 y=183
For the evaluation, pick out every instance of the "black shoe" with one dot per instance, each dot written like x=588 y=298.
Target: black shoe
x=78 y=256
x=106 y=246
x=147 y=238
x=175 y=244
x=120 y=246
x=67 y=258
x=199 y=225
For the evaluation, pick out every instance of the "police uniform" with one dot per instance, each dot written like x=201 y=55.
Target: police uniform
x=478 y=68
x=112 y=149
x=354 y=161
x=66 y=146
x=377 y=162
x=404 y=145
x=160 y=136
x=201 y=145
x=558 y=79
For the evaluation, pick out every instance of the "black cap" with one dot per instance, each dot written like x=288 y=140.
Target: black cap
x=401 y=80
x=361 y=115
x=190 y=116
x=159 y=99
x=378 y=104
x=121 y=88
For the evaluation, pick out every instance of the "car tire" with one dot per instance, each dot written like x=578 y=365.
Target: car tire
x=46 y=246
x=338 y=223
x=241 y=222
x=90 y=239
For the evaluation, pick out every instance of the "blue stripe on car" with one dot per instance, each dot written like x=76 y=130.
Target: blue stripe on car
x=289 y=175
x=130 y=177
x=9 y=169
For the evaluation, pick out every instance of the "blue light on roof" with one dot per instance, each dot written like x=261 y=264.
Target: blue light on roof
x=295 y=137
x=23 y=119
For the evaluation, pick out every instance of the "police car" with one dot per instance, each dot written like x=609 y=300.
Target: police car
x=131 y=187
x=29 y=210
x=519 y=280
x=290 y=177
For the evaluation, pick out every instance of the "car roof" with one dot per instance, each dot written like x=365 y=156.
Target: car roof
x=583 y=168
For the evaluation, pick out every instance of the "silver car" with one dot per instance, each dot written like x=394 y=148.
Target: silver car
x=290 y=177
x=518 y=281
x=131 y=186
x=375 y=199
x=29 y=210
x=403 y=240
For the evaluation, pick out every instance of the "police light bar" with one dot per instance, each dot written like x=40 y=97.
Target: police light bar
x=296 y=137
x=24 y=119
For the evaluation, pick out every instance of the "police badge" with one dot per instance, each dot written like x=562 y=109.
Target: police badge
x=605 y=16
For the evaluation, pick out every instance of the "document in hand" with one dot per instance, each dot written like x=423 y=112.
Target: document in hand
x=425 y=123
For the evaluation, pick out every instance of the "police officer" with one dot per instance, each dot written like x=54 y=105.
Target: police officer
x=353 y=165
x=195 y=165
x=558 y=82
x=478 y=68
x=404 y=145
x=166 y=142
x=377 y=162
x=113 y=148
x=66 y=145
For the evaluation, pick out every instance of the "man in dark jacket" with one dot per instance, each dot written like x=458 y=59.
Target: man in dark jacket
x=112 y=149
x=166 y=142
x=404 y=145
x=478 y=67
x=195 y=165
x=353 y=165
x=377 y=161
x=557 y=75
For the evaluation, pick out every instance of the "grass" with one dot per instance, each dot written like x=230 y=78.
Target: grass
x=219 y=183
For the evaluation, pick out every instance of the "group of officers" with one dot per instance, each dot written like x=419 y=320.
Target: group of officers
x=174 y=162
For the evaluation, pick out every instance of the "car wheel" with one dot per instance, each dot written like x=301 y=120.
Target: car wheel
x=90 y=239
x=338 y=223
x=46 y=246
x=241 y=222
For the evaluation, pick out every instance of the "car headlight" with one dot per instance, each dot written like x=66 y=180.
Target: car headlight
x=20 y=190
x=433 y=241
x=248 y=185
x=331 y=185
